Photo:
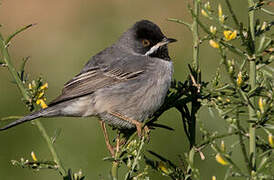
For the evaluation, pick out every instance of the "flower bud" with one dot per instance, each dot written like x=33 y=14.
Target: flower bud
x=207 y=6
x=214 y=44
x=231 y=69
x=263 y=26
x=220 y=14
x=223 y=146
x=33 y=156
x=270 y=140
x=220 y=160
x=213 y=29
x=240 y=79
x=204 y=13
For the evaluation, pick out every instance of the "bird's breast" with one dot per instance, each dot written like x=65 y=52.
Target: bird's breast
x=157 y=86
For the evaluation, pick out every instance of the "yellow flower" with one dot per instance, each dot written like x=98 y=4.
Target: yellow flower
x=220 y=13
x=220 y=160
x=229 y=35
x=270 y=140
x=213 y=29
x=213 y=44
x=45 y=86
x=33 y=156
x=213 y=177
x=204 y=13
x=41 y=94
x=163 y=168
x=240 y=79
x=42 y=103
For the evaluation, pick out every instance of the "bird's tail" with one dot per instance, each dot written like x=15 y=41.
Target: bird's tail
x=48 y=112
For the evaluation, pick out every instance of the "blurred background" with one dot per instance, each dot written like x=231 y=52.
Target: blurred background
x=67 y=34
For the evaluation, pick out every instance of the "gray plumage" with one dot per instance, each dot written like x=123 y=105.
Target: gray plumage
x=129 y=78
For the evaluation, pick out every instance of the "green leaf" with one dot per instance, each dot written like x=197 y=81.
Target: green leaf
x=17 y=32
x=22 y=69
x=269 y=126
x=162 y=158
x=10 y=118
x=57 y=133
x=263 y=163
x=161 y=126
x=191 y=156
x=111 y=159
x=180 y=22
x=262 y=41
x=69 y=176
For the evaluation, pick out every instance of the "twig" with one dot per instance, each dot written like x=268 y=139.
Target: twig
x=232 y=13
x=17 y=32
x=267 y=12
x=181 y=22
x=216 y=137
x=252 y=80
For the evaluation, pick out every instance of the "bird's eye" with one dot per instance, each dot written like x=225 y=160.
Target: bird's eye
x=145 y=42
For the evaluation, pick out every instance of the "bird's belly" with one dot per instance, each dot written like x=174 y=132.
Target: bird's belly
x=137 y=99
x=79 y=107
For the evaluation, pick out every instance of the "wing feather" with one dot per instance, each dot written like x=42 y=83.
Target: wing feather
x=92 y=80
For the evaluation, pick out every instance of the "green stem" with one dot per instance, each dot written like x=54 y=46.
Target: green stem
x=7 y=60
x=252 y=80
x=26 y=96
x=234 y=17
x=189 y=26
x=114 y=170
x=243 y=148
x=195 y=35
x=51 y=147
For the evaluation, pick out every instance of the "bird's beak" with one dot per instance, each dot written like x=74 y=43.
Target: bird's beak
x=168 y=40
x=164 y=41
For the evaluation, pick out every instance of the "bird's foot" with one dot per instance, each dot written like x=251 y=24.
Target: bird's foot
x=141 y=132
x=138 y=124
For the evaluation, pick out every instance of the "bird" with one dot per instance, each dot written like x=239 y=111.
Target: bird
x=122 y=85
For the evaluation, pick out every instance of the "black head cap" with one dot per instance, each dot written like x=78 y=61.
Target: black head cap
x=142 y=37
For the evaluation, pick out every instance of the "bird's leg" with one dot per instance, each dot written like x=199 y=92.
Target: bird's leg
x=109 y=146
x=132 y=121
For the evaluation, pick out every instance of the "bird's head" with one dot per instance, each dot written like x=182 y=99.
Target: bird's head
x=146 y=38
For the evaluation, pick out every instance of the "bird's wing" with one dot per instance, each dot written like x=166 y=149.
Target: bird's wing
x=99 y=77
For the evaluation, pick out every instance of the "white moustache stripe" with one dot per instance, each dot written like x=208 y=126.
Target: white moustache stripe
x=155 y=48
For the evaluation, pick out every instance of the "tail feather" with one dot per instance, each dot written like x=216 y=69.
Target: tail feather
x=48 y=112
x=29 y=117
x=51 y=111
